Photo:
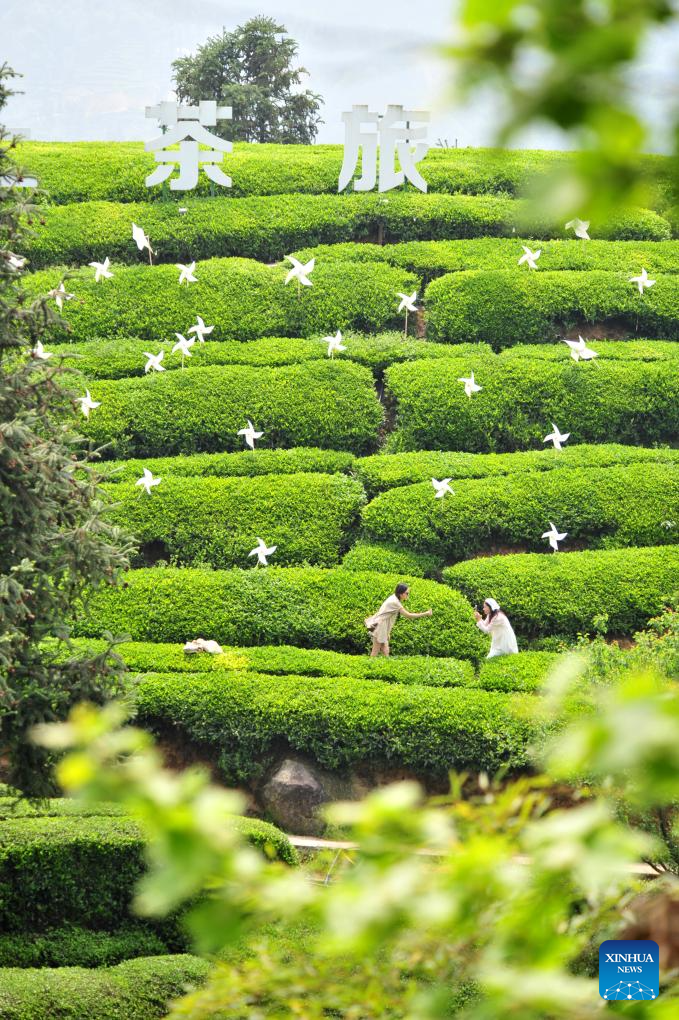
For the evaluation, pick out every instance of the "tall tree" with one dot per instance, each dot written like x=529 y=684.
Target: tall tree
x=252 y=70
x=55 y=540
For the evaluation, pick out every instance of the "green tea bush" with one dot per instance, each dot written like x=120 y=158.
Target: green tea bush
x=571 y=593
x=513 y=307
x=78 y=947
x=526 y=671
x=383 y=557
x=245 y=464
x=386 y=471
x=241 y=298
x=610 y=350
x=309 y=518
x=246 y=719
x=637 y=504
x=310 y=607
x=625 y=402
x=329 y=404
x=135 y=990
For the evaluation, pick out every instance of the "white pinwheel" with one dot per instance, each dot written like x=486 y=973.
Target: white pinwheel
x=15 y=261
x=184 y=345
x=60 y=295
x=300 y=272
x=154 y=362
x=141 y=240
x=334 y=343
x=470 y=385
x=200 y=329
x=250 y=434
x=87 y=404
x=556 y=437
x=408 y=305
x=580 y=351
x=40 y=353
x=530 y=257
x=186 y=273
x=101 y=270
x=147 y=481
x=261 y=551
x=554 y=537
x=642 y=281
x=579 y=227
x=442 y=487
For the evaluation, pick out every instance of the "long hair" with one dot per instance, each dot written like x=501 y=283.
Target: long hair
x=401 y=589
x=493 y=612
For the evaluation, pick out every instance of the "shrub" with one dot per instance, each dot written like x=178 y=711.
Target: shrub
x=309 y=518
x=615 y=350
x=386 y=471
x=310 y=607
x=245 y=464
x=608 y=507
x=247 y=718
x=149 y=657
x=134 y=990
x=526 y=671
x=626 y=402
x=394 y=559
x=566 y=593
x=330 y=404
x=512 y=307
x=242 y=299
x=78 y=947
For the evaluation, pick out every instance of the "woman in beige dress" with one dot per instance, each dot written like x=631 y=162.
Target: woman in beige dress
x=384 y=619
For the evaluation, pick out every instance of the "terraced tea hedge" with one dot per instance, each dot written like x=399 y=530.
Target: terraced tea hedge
x=602 y=401
x=246 y=719
x=135 y=990
x=246 y=464
x=610 y=350
x=564 y=593
x=329 y=404
x=147 y=657
x=509 y=307
x=382 y=556
x=607 y=507
x=242 y=299
x=386 y=471
x=73 y=946
x=310 y=607
x=526 y=671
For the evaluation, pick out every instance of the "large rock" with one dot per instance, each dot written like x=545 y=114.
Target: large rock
x=292 y=796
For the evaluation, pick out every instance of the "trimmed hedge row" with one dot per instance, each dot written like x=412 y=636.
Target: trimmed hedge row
x=241 y=298
x=78 y=947
x=309 y=607
x=142 y=657
x=79 y=171
x=329 y=404
x=386 y=471
x=506 y=307
x=268 y=228
x=247 y=718
x=526 y=671
x=135 y=990
x=217 y=521
x=565 y=593
x=610 y=507
x=382 y=556
x=246 y=464
x=82 y=869
x=610 y=350
x=626 y=402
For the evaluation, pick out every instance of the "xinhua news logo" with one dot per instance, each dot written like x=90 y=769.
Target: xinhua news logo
x=629 y=969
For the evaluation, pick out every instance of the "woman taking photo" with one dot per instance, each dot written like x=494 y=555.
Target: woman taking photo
x=384 y=619
x=495 y=623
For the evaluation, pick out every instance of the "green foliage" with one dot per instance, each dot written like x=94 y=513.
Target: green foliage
x=241 y=298
x=386 y=471
x=310 y=607
x=192 y=521
x=134 y=990
x=626 y=402
x=571 y=593
x=505 y=307
x=268 y=228
x=252 y=70
x=633 y=505
x=331 y=404
x=78 y=947
x=247 y=718
x=245 y=464
x=393 y=559
x=526 y=671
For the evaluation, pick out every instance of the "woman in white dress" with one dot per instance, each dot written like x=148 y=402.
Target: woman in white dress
x=381 y=623
x=495 y=623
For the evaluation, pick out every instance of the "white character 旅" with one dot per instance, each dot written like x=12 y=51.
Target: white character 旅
x=187 y=126
x=396 y=136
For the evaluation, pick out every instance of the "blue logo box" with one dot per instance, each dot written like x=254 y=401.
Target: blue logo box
x=629 y=969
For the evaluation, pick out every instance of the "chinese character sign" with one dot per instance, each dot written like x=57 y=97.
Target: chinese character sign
x=187 y=126
x=395 y=136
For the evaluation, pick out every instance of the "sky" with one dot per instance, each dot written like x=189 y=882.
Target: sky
x=91 y=67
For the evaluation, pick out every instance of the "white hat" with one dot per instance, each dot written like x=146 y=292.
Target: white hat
x=493 y=604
